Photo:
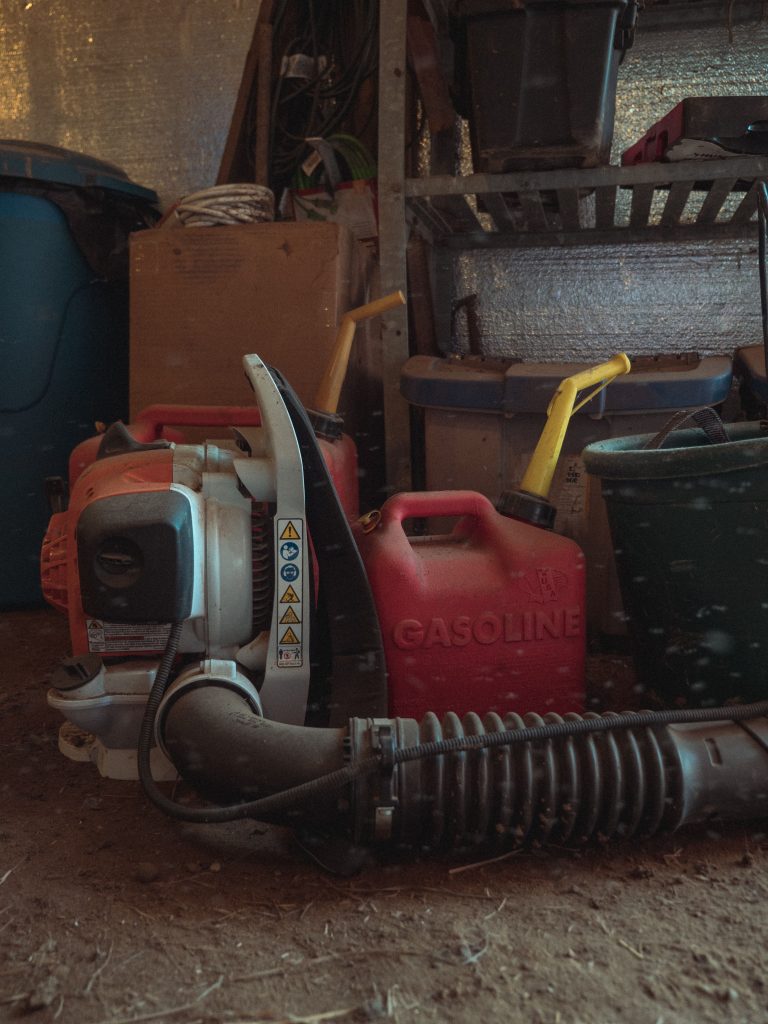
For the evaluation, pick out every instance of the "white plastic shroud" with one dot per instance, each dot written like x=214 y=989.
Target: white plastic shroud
x=274 y=473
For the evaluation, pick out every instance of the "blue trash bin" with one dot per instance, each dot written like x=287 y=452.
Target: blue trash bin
x=64 y=225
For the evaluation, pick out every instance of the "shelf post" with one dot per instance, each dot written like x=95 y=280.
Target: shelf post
x=393 y=236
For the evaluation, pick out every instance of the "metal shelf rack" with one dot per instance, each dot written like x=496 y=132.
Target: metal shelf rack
x=665 y=202
x=694 y=200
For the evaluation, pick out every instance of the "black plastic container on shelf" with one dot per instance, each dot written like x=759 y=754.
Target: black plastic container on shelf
x=537 y=79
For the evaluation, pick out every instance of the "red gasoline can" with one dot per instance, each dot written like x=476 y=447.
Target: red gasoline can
x=489 y=617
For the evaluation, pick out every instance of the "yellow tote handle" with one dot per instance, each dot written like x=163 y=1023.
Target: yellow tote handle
x=327 y=397
x=538 y=476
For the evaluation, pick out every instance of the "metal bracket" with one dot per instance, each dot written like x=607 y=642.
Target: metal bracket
x=383 y=743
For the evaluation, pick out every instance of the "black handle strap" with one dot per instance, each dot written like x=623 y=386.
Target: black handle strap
x=762 y=246
x=704 y=416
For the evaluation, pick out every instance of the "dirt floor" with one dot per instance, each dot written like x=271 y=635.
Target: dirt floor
x=110 y=912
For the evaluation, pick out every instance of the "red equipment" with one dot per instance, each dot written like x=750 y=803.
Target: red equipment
x=205 y=646
x=488 y=616
x=158 y=423
x=705 y=128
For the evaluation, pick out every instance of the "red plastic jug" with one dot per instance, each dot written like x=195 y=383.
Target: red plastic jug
x=489 y=617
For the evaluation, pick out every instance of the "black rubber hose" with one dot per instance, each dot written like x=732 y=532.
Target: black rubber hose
x=251 y=809
x=569 y=790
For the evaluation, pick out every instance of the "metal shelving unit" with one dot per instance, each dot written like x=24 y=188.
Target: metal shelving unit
x=665 y=203
x=692 y=200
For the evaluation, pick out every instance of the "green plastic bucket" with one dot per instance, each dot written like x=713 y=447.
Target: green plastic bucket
x=689 y=524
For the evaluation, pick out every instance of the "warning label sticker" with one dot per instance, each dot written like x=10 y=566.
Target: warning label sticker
x=120 y=637
x=290 y=531
x=289 y=657
x=290 y=568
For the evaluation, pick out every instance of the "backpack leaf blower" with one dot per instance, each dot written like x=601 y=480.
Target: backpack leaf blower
x=228 y=625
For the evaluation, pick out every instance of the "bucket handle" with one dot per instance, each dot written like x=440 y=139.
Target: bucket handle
x=704 y=416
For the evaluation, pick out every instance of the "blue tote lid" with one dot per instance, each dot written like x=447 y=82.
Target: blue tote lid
x=39 y=162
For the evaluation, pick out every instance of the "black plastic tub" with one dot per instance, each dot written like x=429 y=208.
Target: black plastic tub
x=538 y=82
x=689 y=524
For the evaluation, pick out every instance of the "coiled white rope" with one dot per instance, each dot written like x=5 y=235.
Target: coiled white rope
x=227 y=204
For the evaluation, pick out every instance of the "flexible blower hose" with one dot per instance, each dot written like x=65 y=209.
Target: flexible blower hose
x=458 y=783
x=265 y=806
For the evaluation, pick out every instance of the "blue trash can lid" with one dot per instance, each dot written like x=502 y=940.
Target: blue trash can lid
x=39 y=162
x=490 y=386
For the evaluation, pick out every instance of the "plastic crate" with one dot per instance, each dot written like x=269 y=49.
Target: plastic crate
x=703 y=127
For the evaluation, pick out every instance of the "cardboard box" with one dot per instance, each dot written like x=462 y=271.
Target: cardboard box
x=202 y=298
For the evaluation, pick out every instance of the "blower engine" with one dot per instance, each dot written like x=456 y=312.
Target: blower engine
x=229 y=626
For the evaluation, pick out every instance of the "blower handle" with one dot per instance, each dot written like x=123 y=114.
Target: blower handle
x=151 y=422
x=329 y=390
x=422 y=504
x=541 y=469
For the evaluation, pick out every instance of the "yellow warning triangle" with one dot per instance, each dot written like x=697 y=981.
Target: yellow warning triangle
x=290 y=596
x=290 y=533
x=289 y=637
x=289 y=616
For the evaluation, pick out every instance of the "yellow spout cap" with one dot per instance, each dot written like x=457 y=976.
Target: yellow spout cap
x=538 y=476
x=327 y=397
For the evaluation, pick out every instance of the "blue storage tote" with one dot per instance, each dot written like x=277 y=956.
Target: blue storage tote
x=64 y=225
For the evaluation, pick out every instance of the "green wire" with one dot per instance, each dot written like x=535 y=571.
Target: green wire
x=356 y=156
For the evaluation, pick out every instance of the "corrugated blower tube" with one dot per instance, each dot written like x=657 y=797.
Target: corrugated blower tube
x=485 y=781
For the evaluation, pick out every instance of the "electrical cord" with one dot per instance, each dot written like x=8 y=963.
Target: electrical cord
x=227 y=204
x=762 y=241
x=345 y=34
x=55 y=354
x=559 y=730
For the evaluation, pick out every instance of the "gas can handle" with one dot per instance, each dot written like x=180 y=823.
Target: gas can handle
x=420 y=504
x=151 y=421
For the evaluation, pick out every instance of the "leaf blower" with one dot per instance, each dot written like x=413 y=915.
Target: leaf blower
x=230 y=626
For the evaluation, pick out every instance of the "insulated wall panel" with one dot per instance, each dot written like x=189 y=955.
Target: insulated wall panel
x=148 y=85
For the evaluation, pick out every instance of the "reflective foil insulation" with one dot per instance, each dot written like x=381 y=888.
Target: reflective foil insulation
x=149 y=86
x=588 y=302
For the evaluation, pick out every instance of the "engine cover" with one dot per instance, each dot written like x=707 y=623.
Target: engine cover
x=136 y=557
x=153 y=537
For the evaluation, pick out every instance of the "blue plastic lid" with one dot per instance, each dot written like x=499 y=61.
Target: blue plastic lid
x=489 y=386
x=39 y=162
